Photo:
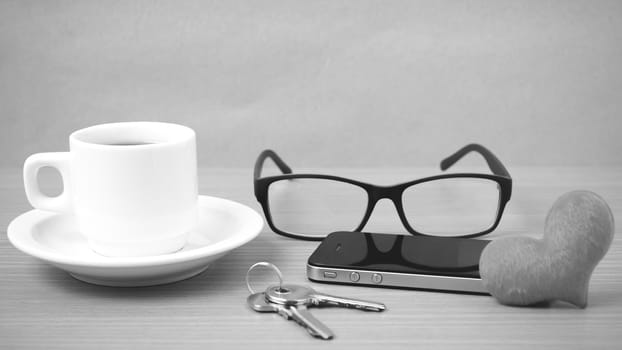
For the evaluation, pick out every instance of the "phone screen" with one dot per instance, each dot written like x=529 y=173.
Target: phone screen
x=400 y=253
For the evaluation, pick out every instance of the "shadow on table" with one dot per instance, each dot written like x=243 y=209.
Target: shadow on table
x=604 y=298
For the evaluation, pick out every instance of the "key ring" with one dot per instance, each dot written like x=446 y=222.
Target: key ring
x=266 y=264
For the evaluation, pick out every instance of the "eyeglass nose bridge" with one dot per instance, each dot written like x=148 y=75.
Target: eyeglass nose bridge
x=391 y=193
x=377 y=193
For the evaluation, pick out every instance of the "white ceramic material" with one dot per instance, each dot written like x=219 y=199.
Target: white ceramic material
x=128 y=200
x=54 y=238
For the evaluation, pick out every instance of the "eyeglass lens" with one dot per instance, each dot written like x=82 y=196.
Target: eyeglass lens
x=452 y=206
x=325 y=205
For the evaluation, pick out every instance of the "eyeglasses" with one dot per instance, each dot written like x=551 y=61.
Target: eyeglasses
x=310 y=206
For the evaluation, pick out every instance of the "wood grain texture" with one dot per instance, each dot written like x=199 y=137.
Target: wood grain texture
x=42 y=307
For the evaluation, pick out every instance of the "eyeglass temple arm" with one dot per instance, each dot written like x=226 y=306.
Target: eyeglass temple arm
x=285 y=169
x=494 y=163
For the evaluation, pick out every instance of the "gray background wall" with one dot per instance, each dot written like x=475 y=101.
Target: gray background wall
x=358 y=83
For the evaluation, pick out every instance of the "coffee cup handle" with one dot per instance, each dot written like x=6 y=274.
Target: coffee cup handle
x=57 y=160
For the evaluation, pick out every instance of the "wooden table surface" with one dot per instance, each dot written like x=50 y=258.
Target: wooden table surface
x=43 y=307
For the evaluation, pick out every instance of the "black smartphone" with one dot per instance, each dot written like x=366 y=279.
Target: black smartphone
x=405 y=261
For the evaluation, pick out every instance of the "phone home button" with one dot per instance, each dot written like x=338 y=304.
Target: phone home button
x=354 y=276
x=376 y=278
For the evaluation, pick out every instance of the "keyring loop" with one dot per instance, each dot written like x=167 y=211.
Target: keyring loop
x=266 y=264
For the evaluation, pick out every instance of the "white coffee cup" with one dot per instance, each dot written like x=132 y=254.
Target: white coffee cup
x=132 y=187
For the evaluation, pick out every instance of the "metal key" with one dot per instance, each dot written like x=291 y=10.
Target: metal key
x=293 y=294
x=260 y=303
x=291 y=301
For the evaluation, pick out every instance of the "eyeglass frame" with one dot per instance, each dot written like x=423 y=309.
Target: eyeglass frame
x=394 y=192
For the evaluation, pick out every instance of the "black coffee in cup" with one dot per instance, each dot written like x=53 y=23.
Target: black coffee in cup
x=129 y=143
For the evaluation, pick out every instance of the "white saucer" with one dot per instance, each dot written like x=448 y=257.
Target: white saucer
x=223 y=226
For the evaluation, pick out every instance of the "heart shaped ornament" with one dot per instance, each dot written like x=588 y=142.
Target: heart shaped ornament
x=524 y=271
